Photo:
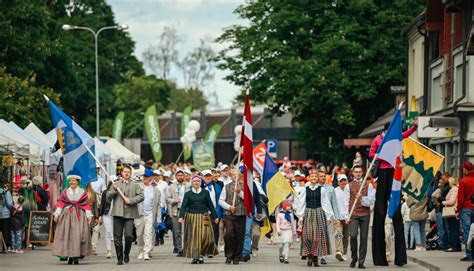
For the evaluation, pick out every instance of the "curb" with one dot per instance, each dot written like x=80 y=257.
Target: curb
x=425 y=264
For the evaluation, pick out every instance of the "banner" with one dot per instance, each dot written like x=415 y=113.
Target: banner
x=259 y=157
x=213 y=133
x=186 y=117
x=153 y=132
x=203 y=155
x=420 y=165
x=118 y=125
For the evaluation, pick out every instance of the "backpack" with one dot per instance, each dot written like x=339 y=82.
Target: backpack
x=3 y=198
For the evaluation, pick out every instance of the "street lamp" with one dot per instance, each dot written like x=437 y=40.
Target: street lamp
x=121 y=27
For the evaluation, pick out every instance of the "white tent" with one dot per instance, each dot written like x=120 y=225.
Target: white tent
x=36 y=153
x=104 y=154
x=45 y=148
x=33 y=130
x=121 y=152
x=19 y=150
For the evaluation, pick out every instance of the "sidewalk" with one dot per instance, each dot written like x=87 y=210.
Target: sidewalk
x=439 y=260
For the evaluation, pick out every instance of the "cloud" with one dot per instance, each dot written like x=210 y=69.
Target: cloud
x=194 y=19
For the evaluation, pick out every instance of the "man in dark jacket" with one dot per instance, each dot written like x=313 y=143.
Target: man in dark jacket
x=40 y=194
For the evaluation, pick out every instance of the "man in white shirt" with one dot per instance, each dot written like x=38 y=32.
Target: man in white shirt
x=174 y=199
x=342 y=230
x=149 y=210
x=98 y=186
x=225 y=171
x=329 y=205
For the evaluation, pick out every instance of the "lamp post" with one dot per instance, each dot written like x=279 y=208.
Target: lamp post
x=68 y=27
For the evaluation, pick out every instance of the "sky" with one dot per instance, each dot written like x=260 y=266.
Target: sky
x=193 y=19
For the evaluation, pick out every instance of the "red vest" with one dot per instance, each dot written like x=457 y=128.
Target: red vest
x=359 y=210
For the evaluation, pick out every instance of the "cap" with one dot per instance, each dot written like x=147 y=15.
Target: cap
x=97 y=165
x=341 y=177
x=206 y=172
x=187 y=172
x=298 y=173
x=178 y=170
x=467 y=166
x=157 y=172
x=148 y=173
x=77 y=177
x=167 y=174
x=224 y=167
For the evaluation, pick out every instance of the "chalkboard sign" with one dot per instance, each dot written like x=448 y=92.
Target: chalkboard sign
x=40 y=228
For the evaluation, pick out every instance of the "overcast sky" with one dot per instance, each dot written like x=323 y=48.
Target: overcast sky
x=194 y=19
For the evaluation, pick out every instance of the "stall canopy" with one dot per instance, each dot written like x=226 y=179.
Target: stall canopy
x=120 y=152
x=36 y=152
x=45 y=147
x=33 y=130
x=18 y=149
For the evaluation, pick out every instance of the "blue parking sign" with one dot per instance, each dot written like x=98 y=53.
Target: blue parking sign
x=271 y=145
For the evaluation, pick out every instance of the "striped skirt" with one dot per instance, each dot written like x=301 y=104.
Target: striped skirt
x=315 y=236
x=198 y=238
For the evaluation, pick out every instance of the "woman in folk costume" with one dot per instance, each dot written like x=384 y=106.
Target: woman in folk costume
x=73 y=215
x=315 y=237
x=198 y=231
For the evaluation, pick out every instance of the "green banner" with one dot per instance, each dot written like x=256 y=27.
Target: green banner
x=118 y=125
x=153 y=132
x=203 y=155
x=186 y=117
x=213 y=133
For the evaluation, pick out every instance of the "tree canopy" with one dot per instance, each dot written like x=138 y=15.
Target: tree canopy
x=330 y=63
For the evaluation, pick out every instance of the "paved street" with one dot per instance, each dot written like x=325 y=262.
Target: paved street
x=267 y=259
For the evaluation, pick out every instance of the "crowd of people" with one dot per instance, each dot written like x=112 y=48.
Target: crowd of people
x=330 y=208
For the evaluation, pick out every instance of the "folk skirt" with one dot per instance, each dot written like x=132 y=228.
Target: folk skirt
x=198 y=237
x=315 y=236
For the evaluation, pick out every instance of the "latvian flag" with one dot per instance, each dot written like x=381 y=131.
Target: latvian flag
x=391 y=151
x=247 y=154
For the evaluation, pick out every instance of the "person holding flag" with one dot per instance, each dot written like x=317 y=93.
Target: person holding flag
x=387 y=147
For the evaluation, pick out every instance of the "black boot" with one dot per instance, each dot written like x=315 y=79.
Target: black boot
x=119 y=251
x=76 y=260
x=310 y=260
x=70 y=260
x=128 y=247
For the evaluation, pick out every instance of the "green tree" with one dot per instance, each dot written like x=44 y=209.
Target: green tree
x=181 y=98
x=135 y=95
x=23 y=103
x=329 y=62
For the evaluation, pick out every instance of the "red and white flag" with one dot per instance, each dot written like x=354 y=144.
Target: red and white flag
x=247 y=155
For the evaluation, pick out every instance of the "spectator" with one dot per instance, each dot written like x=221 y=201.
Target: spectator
x=6 y=204
x=418 y=215
x=438 y=196
x=450 y=219
x=18 y=224
x=41 y=195
x=407 y=223
x=465 y=208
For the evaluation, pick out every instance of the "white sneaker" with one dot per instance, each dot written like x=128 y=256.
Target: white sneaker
x=140 y=256
x=221 y=249
x=146 y=257
x=254 y=253
x=109 y=255
x=339 y=256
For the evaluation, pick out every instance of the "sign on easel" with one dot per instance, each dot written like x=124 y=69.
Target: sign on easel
x=40 y=228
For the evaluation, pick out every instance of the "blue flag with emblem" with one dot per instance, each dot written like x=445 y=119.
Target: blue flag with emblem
x=71 y=138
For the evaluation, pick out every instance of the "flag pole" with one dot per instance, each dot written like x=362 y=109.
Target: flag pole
x=179 y=157
x=363 y=183
x=102 y=167
x=236 y=179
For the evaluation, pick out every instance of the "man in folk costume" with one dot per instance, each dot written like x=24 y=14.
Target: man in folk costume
x=124 y=211
x=174 y=200
x=73 y=215
x=360 y=219
x=385 y=173
x=150 y=211
x=232 y=201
